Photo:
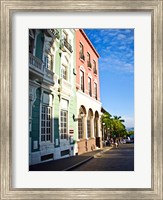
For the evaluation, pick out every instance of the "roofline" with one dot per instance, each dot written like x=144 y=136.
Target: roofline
x=90 y=43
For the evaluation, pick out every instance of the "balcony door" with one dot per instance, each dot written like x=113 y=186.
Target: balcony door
x=64 y=137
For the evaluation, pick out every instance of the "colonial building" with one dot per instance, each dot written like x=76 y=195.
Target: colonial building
x=88 y=94
x=52 y=94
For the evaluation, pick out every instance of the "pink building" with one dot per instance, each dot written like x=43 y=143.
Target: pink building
x=88 y=94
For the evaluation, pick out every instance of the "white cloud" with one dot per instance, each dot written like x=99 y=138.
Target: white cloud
x=127 y=31
x=114 y=63
x=121 y=37
x=122 y=47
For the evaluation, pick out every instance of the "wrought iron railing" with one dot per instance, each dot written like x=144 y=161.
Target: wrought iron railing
x=35 y=63
x=66 y=44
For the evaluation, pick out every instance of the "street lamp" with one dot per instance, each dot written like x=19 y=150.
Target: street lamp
x=81 y=116
x=103 y=131
x=108 y=133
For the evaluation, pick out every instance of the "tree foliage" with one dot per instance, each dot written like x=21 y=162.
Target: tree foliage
x=113 y=126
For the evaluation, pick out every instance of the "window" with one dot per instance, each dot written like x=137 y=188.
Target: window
x=63 y=124
x=31 y=41
x=66 y=42
x=95 y=88
x=89 y=60
x=89 y=86
x=81 y=52
x=46 y=124
x=64 y=72
x=88 y=57
x=94 y=67
x=82 y=80
x=48 y=62
x=80 y=128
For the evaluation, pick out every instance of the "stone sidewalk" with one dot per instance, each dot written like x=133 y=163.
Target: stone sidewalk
x=69 y=163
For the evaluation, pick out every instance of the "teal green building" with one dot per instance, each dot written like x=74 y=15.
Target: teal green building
x=52 y=95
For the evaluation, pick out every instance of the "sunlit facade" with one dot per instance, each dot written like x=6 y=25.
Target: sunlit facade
x=88 y=94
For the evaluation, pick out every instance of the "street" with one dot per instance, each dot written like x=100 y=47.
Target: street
x=116 y=159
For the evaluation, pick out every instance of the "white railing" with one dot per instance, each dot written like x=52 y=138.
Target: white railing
x=35 y=63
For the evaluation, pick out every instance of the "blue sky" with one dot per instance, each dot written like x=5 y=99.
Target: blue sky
x=116 y=68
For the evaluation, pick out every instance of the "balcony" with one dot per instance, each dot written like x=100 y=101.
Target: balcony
x=65 y=45
x=36 y=66
x=54 y=33
x=38 y=71
x=65 y=87
x=82 y=56
x=48 y=76
x=89 y=64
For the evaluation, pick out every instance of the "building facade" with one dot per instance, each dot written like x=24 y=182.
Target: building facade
x=52 y=94
x=64 y=94
x=88 y=94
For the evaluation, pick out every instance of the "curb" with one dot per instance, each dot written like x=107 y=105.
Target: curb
x=78 y=164
x=91 y=157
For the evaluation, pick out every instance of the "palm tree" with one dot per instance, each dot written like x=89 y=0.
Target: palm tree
x=119 y=118
x=119 y=127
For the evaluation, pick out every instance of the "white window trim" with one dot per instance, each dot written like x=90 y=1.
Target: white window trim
x=66 y=68
x=84 y=80
x=47 y=141
x=52 y=113
x=63 y=141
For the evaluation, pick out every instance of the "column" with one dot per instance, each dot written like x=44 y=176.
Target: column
x=99 y=128
x=85 y=127
x=92 y=128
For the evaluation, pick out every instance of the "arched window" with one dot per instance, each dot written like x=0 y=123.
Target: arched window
x=39 y=45
x=82 y=113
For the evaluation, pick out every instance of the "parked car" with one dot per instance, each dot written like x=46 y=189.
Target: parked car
x=129 y=140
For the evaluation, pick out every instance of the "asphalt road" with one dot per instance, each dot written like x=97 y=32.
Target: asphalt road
x=116 y=159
